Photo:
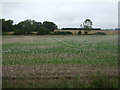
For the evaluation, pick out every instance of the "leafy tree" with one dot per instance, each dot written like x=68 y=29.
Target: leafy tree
x=49 y=25
x=27 y=26
x=37 y=25
x=0 y=26
x=42 y=30
x=19 y=32
x=7 y=25
x=87 y=24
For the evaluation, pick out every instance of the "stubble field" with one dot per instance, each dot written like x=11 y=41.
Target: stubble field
x=37 y=61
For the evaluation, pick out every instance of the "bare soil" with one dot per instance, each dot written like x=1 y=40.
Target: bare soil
x=56 y=71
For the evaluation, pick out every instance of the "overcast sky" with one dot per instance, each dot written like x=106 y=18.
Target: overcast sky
x=64 y=13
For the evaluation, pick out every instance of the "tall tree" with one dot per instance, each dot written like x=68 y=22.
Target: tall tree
x=87 y=24
x=26 y=26
x=50 y=26
x=43 y=31
x=7 y=25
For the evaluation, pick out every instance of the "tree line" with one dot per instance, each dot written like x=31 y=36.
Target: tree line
x=80 y=29
x=28 y=26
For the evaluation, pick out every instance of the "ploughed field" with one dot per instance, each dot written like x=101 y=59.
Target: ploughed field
x=37 y=61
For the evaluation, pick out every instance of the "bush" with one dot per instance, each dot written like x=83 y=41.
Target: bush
x=22 y=32
x=4 y=33
x=100 y=33
x=86 y=32
x=62 y=33
x=18 y=32
x=79 y=32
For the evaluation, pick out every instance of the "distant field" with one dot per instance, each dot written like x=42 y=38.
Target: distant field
x=51 y=57
x=109 y=32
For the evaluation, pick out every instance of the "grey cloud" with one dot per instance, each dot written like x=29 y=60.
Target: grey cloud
x=119 y=14
x=64 y=14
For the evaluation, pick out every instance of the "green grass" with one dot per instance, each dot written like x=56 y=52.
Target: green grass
x=70 y=49
x=62 y=49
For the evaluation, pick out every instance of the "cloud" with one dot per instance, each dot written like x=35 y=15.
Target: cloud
x=64 y=14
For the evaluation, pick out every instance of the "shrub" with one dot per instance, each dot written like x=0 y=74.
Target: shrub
x=4 y=33
x=22 y=32
x=62 y=33
x=18 y=32
x=86 y=32
x=79 y=32
x=100 y=33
